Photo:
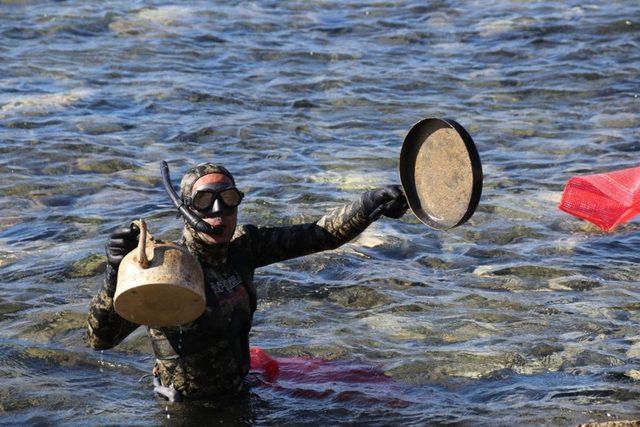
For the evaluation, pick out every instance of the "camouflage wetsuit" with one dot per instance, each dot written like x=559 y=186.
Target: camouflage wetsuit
x=210 y=356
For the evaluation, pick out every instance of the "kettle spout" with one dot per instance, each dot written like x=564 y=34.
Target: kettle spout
x=143 y=261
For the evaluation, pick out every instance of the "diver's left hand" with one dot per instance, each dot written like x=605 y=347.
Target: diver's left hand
x=389 y=201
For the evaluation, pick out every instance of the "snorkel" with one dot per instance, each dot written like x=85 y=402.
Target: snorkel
x=189 y=216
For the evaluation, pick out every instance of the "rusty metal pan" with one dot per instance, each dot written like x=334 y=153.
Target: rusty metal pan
x=441 y=173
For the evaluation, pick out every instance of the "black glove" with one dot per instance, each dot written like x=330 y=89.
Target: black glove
x=121 y=242
x=388 y=201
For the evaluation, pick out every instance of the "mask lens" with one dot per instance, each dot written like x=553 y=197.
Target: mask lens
x=203 y=200
x=230 y=197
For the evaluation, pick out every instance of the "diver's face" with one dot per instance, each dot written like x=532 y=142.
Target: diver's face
x=223 y=218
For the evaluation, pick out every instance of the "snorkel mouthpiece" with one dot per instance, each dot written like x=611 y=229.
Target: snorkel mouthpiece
x=189 y=216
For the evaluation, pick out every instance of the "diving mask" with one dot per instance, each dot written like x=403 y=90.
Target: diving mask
x=214 y=198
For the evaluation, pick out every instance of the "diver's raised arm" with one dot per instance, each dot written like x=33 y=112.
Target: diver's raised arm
x=274 y=244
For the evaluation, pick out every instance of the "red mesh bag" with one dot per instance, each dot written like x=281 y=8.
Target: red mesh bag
x=314 y=370
x=605 y=199
x=261 y=361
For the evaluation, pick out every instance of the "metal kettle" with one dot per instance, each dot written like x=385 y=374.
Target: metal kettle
x=159 y=283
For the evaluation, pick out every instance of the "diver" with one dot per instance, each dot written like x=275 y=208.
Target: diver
x=209 y=357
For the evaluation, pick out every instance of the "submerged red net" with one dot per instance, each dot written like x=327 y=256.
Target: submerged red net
x=314 y=370
x=605 y=199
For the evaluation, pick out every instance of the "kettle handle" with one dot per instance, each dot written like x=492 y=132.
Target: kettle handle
x=143 y=261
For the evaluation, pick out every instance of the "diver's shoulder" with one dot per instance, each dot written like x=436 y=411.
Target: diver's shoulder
x=244 y=232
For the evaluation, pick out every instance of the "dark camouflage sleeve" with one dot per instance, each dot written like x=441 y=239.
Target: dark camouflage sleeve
x=274 y=244
x=105 y=327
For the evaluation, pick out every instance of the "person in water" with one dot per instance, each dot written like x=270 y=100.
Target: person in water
x=210 y=356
